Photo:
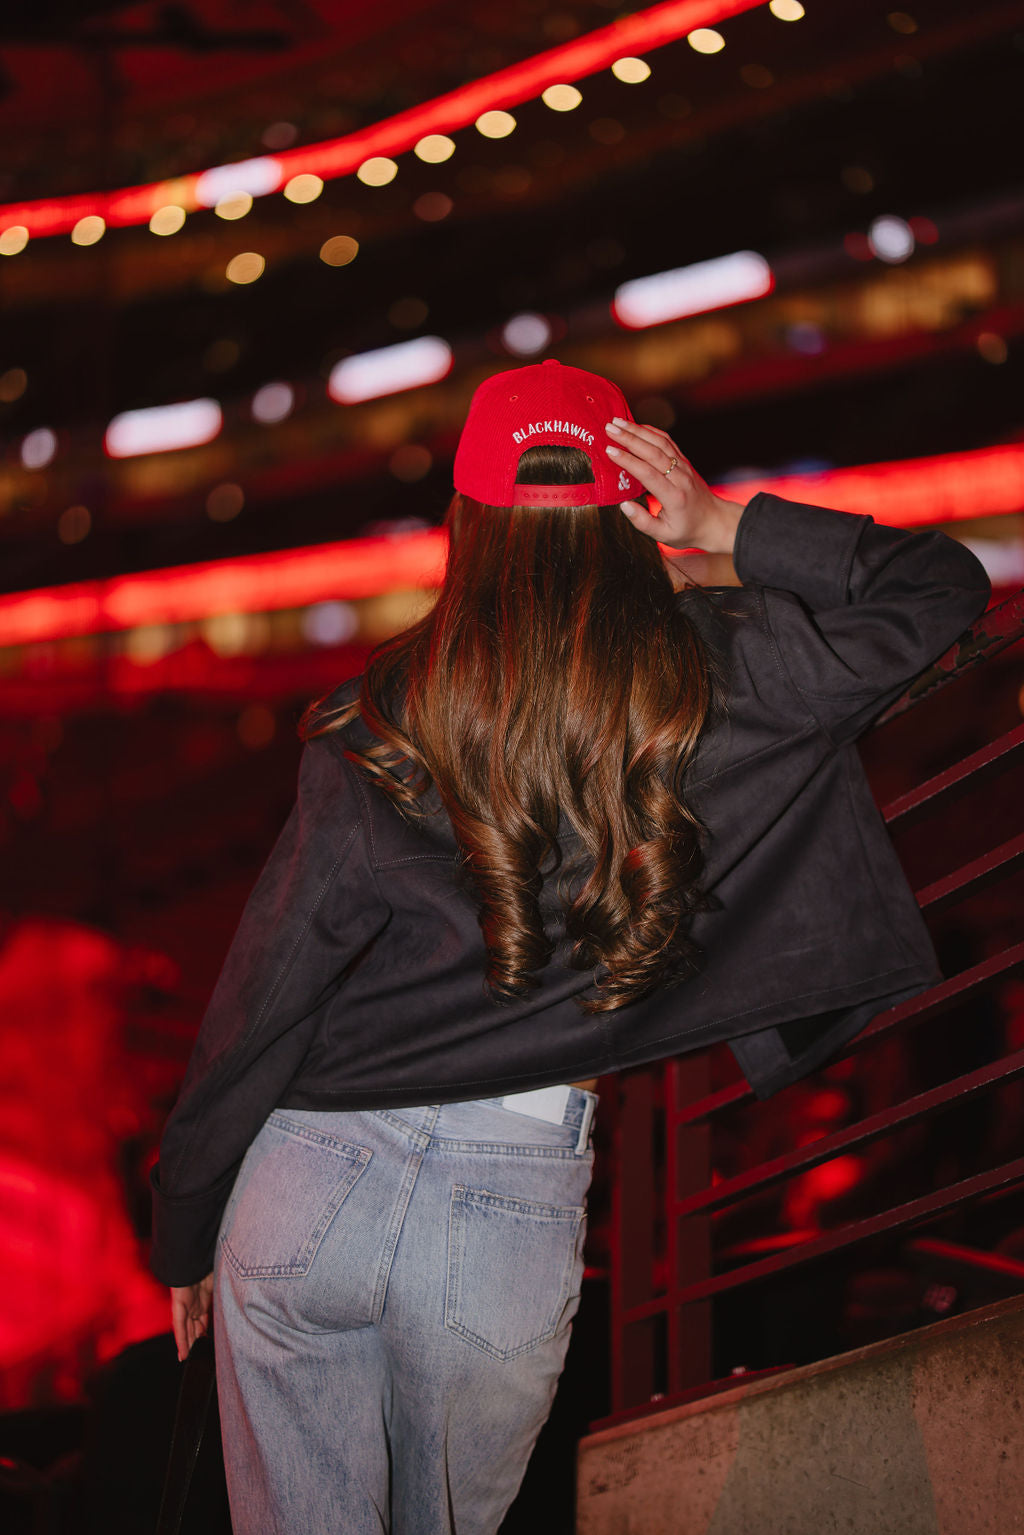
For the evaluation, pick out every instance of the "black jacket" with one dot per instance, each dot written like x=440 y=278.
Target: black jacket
x=355 y=979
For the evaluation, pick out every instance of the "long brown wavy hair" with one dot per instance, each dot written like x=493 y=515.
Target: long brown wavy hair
x=555 y=679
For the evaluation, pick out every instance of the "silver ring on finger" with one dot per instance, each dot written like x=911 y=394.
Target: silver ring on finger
x=672 y=464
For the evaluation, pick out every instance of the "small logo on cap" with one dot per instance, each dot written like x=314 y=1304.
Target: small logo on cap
x=624 y=480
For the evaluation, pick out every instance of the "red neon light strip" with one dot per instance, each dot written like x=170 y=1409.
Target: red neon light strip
x=254 y=583
x=332 y=158
x=955 y=487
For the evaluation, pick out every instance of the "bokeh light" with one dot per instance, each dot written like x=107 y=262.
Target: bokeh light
x=526 y=334
x=74 y=524
x=706 y=40
x=377 y=171
x=434 y=148
x=495 y=125
x=38 y=448
x=13 y=384
x=88 y=230
x=303 y=189
x=631 y=71
x=410 y=462
x=330 y=623
x=273 y=402
x=246 y=267
x=432 y=207
x=234 y=206
x=561 y=98
x=339 y=250
x=891 y=239
x=13 y=239
x=786 y=10
x=167 y=220
x=224 y=502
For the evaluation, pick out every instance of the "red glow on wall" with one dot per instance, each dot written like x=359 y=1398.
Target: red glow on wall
x=640 y=33
x=954 y=487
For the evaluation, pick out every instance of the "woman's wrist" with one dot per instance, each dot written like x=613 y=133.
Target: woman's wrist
x=717 y=531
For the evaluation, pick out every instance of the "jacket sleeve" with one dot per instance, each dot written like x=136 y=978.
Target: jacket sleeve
x=883 y=603
x=313 y=908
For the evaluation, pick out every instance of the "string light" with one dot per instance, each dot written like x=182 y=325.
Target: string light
x=786 y=10
x=495 y=125
x=434 y=148
x=235 y=206
x=377 y=171
x=303 y=189
x=167 y=220
x=88 y=230
x=561 y=98
x=13 y=240
x=706 y=40
x=631 y=71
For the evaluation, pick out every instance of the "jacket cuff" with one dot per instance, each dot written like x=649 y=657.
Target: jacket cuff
x=185 y=1230
x=807 y=550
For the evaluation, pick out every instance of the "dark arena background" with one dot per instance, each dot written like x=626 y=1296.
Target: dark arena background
x=254 y=259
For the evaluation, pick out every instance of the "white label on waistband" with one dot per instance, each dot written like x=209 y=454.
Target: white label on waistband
x=542 y=1103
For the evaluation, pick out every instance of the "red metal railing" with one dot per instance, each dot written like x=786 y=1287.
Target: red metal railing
x=666 y=1266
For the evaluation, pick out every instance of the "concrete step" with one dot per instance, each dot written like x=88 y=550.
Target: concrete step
x=919 y=1435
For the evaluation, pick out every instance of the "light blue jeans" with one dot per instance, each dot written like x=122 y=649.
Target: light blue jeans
x=394 y=1294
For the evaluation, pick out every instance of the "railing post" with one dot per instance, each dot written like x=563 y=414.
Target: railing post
x=632 y=1256
x=687 y=1239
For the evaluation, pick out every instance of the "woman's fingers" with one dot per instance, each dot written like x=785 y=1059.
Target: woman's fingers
x=647 y=442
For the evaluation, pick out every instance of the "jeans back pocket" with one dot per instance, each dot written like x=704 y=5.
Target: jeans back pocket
x=291 y=1185
x=513 y=1264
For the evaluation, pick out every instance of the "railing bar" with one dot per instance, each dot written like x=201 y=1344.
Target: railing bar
x=979 y=767
x=914 y=1010
x=956 y=1252
x=867 y=1130
x=703 y=1108
x=972 y=876
x=909 y=1214
x=995 y=630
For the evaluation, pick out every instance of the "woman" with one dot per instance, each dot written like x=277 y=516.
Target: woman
x=572 y=820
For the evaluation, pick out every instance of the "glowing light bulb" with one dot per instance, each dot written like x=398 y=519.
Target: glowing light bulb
x=167 y=220
x=435 y=148
x=234 y=206
x=13 y=240
x=303 y=189
x=377 y=171
x=88 y=230
x=631 y=71
x=495 y=125
x=706 y=40
x=561 y=98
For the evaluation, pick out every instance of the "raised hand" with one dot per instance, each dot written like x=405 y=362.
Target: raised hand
x=691 y=516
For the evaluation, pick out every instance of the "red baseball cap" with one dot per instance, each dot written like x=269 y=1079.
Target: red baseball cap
x=545 y=402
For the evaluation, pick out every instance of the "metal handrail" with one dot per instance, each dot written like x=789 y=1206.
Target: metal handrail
x=689 y=1194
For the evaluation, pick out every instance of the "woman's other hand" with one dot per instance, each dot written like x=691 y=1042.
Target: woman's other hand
x=691 y=516
x=190 y=1313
